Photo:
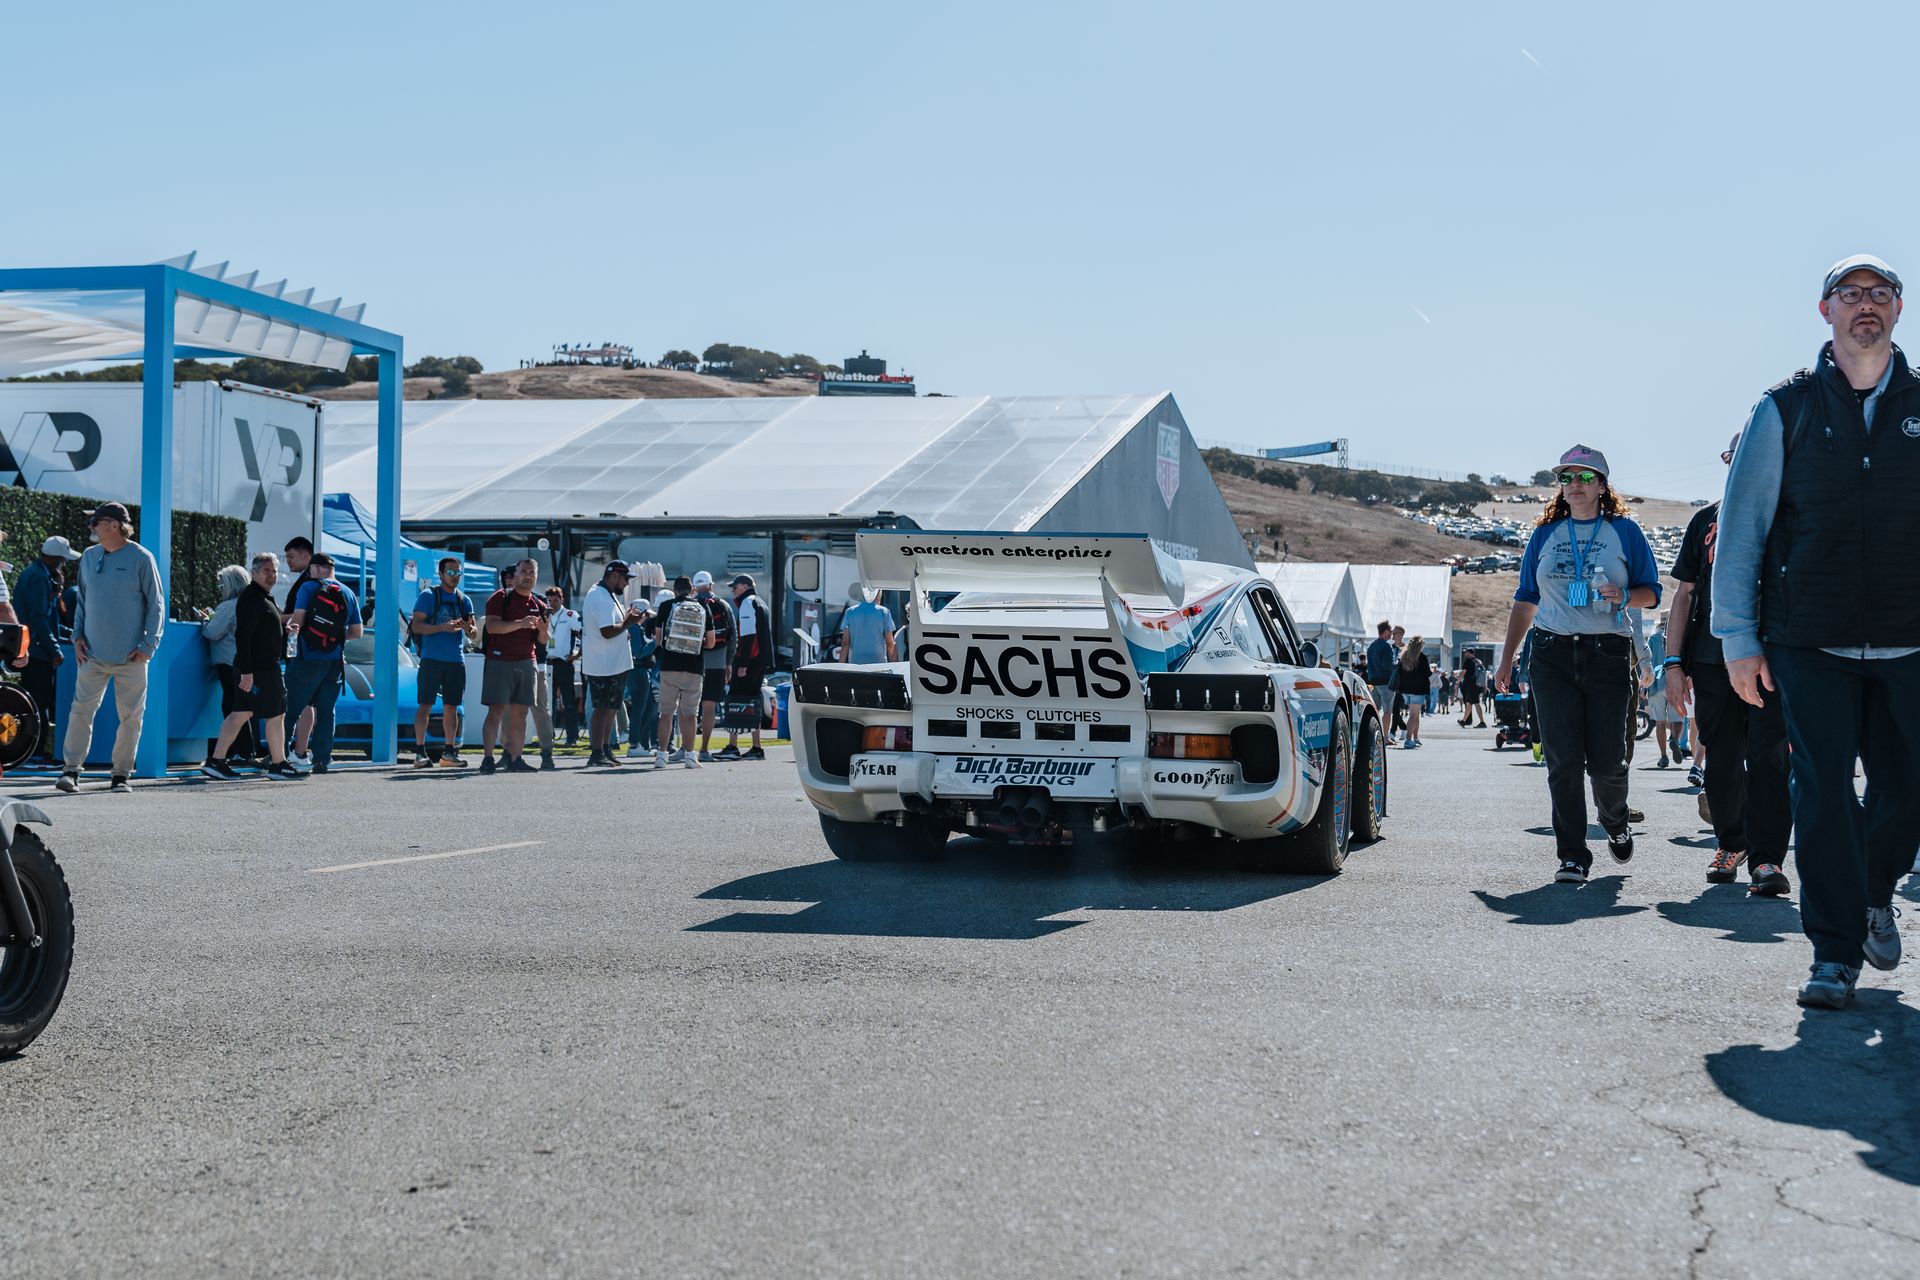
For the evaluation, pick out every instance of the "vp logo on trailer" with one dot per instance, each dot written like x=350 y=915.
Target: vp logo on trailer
x=273 y=458
x=43 y=444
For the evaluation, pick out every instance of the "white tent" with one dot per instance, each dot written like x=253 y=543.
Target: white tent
x=1417 y=597
x=1322 y=600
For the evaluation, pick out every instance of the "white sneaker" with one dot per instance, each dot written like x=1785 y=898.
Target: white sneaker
x=300 y=759
x=659 y=759
x=635 y=753
x=1883 y=937
x=687 y=759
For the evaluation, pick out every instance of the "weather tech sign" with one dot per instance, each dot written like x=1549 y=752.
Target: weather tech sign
x=867 y=384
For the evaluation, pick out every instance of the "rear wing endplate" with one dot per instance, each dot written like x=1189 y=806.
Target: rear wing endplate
x=1071 y=563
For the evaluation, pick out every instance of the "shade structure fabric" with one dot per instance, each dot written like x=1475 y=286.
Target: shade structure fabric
x=347 y=533
x=1417 y=597
x=979 y=462
x=41 y=330
x=1322 y=599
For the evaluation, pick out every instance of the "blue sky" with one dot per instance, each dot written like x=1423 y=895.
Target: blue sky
x=1615 y=236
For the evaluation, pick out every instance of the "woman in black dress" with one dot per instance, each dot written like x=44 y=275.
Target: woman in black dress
x=1416 y=680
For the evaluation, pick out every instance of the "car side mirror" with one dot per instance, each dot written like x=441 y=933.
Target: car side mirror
x=1309 y=654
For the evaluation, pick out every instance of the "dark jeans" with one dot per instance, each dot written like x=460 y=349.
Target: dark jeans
x=37 y=679
x=1582 y=689
x=231 y=700
x=1850 y=855
x=643 y=707
x=1746 y=767
x=566 y=700
x=316 y=684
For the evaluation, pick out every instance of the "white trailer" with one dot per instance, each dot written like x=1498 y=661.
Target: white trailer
x=238 y=450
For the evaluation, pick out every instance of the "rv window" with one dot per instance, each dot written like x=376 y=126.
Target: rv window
x=805 y=573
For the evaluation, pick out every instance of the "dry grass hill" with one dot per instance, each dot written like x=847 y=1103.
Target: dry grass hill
x=585 y=382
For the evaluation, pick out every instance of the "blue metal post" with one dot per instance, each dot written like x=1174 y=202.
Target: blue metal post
x=156 y=505
x=386 y=658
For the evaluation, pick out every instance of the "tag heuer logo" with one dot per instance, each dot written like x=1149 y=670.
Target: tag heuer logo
x=1912 y=427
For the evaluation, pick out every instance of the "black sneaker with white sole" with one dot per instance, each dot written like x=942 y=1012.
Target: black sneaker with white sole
x=69 y=783
x=120 y=783
x=1570 y=872
x=1621 y=846
x=219 y=771
x=283 y=772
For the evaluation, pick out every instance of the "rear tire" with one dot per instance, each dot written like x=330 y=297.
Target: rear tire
x=920 y=840
x=1369 y=783
x=1319 y=848
x=32 y=979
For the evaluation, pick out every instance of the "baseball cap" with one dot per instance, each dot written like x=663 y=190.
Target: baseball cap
x=742 y=580
x=1859 y=262
x=702 y=579
x=662 y=596
x=58 y=546
x=1582 y=456
x=110 y=511
x=618 y=566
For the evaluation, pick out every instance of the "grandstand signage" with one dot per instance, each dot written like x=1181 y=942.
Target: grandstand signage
x=1166 y=466
x=866 y=384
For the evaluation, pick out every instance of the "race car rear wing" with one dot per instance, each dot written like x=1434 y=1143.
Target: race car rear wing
x=1041 y=563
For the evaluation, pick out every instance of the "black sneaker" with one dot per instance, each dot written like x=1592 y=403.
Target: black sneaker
x=319 y=768
x=1635 y=815
x=755 y=754
x=546 y=762
x=1725 y=867
x=1769 y=881
x=283 y=772
x=219 y=771
x=120 y=783
x=728 y=752
x=1621 y=846
x=1570 y=872
x=486 y=764
x=519 y=765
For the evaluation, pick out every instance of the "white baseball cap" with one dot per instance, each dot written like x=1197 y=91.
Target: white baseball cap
x=58 y=546
x=702 y=579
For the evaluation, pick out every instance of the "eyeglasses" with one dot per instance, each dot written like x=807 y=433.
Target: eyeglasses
x=1578 y=477
x=1882 y=294
x=450 y=573
x=1726 y=455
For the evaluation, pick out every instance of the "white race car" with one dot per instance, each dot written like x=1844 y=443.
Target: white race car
x=1063 y=683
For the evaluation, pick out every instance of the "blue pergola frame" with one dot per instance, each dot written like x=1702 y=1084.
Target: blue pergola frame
x=162 y=285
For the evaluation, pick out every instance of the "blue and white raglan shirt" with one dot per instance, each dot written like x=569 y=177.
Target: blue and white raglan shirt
x=1610 y=548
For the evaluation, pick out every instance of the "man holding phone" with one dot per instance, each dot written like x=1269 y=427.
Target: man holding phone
x=605 y=656
x=443 y=619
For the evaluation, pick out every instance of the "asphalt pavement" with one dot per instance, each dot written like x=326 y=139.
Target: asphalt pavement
x=646 y=1025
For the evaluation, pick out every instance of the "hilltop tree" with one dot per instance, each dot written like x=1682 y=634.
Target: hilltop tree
x=678 y=357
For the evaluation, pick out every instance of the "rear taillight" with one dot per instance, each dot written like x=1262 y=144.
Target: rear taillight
x=1190 y=746
x=880 y=737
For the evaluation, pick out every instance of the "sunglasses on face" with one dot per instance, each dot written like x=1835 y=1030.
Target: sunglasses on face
x=1578 y=477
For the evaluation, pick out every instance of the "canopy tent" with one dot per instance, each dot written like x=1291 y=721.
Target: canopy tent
x=1012 y=463
x=165 y=311
x=1417 y=597
x=347 y=534
x=1322 y=600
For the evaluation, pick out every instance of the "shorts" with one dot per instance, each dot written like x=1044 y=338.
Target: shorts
x=269 y=696
x=439 y=678
x=746 y=688
x=607 y=692
x=713 y=684
x=507 y=684
x=680 y=695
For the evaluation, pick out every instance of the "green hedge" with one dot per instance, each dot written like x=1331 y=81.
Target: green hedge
x=202 y=543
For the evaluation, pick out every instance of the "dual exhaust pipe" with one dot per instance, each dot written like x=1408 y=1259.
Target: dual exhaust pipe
x=1029 y=807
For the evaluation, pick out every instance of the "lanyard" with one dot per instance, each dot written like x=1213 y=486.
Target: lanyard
x=1579 y=561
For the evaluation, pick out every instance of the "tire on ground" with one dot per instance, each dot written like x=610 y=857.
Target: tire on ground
x=1320 y=847
x=1369 y=782
x=32 y=980
x=919 y=840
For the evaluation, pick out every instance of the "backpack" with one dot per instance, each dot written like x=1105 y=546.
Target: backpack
x=458 y=609
x=686 y=626
x=325 y=629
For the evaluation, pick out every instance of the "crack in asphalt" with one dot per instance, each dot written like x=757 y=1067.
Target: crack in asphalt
x=1865 y=1224
x=1697 y=1208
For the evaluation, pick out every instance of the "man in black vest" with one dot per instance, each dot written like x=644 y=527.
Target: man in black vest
x=1817 y=593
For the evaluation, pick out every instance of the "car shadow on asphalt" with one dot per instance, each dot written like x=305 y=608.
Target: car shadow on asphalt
x=1739 y=915
x=982 y=890
x=1562 y=903
x=1850 y=1070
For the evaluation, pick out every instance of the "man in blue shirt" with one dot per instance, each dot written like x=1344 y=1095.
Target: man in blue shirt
x=443 y=619
x=326 y=615
x=866 y=630
x=1380 y=660
x=36 y=599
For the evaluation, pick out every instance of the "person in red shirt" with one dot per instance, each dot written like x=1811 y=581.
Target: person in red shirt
x=516 y=630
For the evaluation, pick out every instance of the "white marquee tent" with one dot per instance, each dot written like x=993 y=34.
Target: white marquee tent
x=1322 y=600
x=1417 y=597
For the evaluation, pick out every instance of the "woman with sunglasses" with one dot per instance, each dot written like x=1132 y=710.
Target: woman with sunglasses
x=1586 y=564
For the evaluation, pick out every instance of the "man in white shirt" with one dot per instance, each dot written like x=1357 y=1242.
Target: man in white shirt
x=563 y=647
x=605 y=655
